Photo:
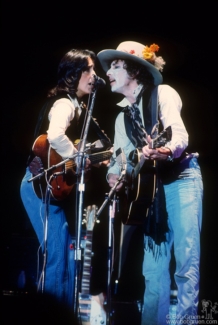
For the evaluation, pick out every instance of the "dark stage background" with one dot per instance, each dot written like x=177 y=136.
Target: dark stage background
x=36 y=35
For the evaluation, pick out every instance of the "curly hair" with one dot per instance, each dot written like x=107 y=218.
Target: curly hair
x=70 y=70
x=138 y=72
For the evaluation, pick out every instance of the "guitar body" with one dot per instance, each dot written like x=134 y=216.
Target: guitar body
x=140 y=191
x=63 y=178
x=62 y=184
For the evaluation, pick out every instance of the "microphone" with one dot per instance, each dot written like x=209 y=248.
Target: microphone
x=99 y=81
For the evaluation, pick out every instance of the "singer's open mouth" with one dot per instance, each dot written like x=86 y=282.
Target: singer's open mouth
x=111 y=81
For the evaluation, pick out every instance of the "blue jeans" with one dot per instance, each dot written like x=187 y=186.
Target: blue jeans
x=184 y=208
x=60 y=266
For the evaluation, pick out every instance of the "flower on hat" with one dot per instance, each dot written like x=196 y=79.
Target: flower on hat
x=148 y=54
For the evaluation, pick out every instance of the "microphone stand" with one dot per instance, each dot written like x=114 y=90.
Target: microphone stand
x=112 y=212
x=112 y=191
x=81 y=162
x=81 y=156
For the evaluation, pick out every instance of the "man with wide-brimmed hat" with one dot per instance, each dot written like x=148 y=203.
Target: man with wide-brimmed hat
x=174 y=214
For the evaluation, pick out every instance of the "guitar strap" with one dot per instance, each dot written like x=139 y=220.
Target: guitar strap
x=94 y=126
x=150 y=111
x=76 y=127
x=100 y=134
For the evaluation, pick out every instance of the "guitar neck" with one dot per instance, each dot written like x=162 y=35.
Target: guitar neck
x=85 y=283
x=161 y=139
x=98 y=157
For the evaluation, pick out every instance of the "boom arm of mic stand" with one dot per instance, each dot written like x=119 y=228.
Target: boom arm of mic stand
x=113 y=189
x=53 y=167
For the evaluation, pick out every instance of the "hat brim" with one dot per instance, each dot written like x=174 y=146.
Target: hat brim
x=107 y=56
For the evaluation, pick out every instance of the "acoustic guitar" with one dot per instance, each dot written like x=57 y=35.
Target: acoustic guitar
x=61 y=180
x=91 y=311
x=141 y=183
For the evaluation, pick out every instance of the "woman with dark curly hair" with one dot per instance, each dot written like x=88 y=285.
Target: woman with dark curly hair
x=64 y=122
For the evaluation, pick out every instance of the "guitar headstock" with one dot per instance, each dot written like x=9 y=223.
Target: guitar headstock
x=100 y=132
x=90 y=216
x=162 y=138
x=158 y=142
x=100 y=145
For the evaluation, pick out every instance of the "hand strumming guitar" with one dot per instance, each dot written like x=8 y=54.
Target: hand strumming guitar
x=161 y=153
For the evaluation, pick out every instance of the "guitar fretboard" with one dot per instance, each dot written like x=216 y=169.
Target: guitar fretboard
x=98 y=157
x=85 y=284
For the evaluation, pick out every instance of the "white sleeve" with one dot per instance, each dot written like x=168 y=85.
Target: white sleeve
x=60 y=116
x=170 y=115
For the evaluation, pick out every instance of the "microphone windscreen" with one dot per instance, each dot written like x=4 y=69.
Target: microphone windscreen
x=100 y=82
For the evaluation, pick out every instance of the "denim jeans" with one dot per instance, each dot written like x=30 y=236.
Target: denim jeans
x=60 y=265
x=184 y=208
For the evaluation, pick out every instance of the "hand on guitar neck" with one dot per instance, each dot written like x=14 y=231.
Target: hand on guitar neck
x=94 y=148
x=152 y=152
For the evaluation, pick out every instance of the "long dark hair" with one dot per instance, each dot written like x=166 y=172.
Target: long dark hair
x=70 y=70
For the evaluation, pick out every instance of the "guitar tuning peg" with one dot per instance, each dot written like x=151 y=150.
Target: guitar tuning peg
x=83 y=105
